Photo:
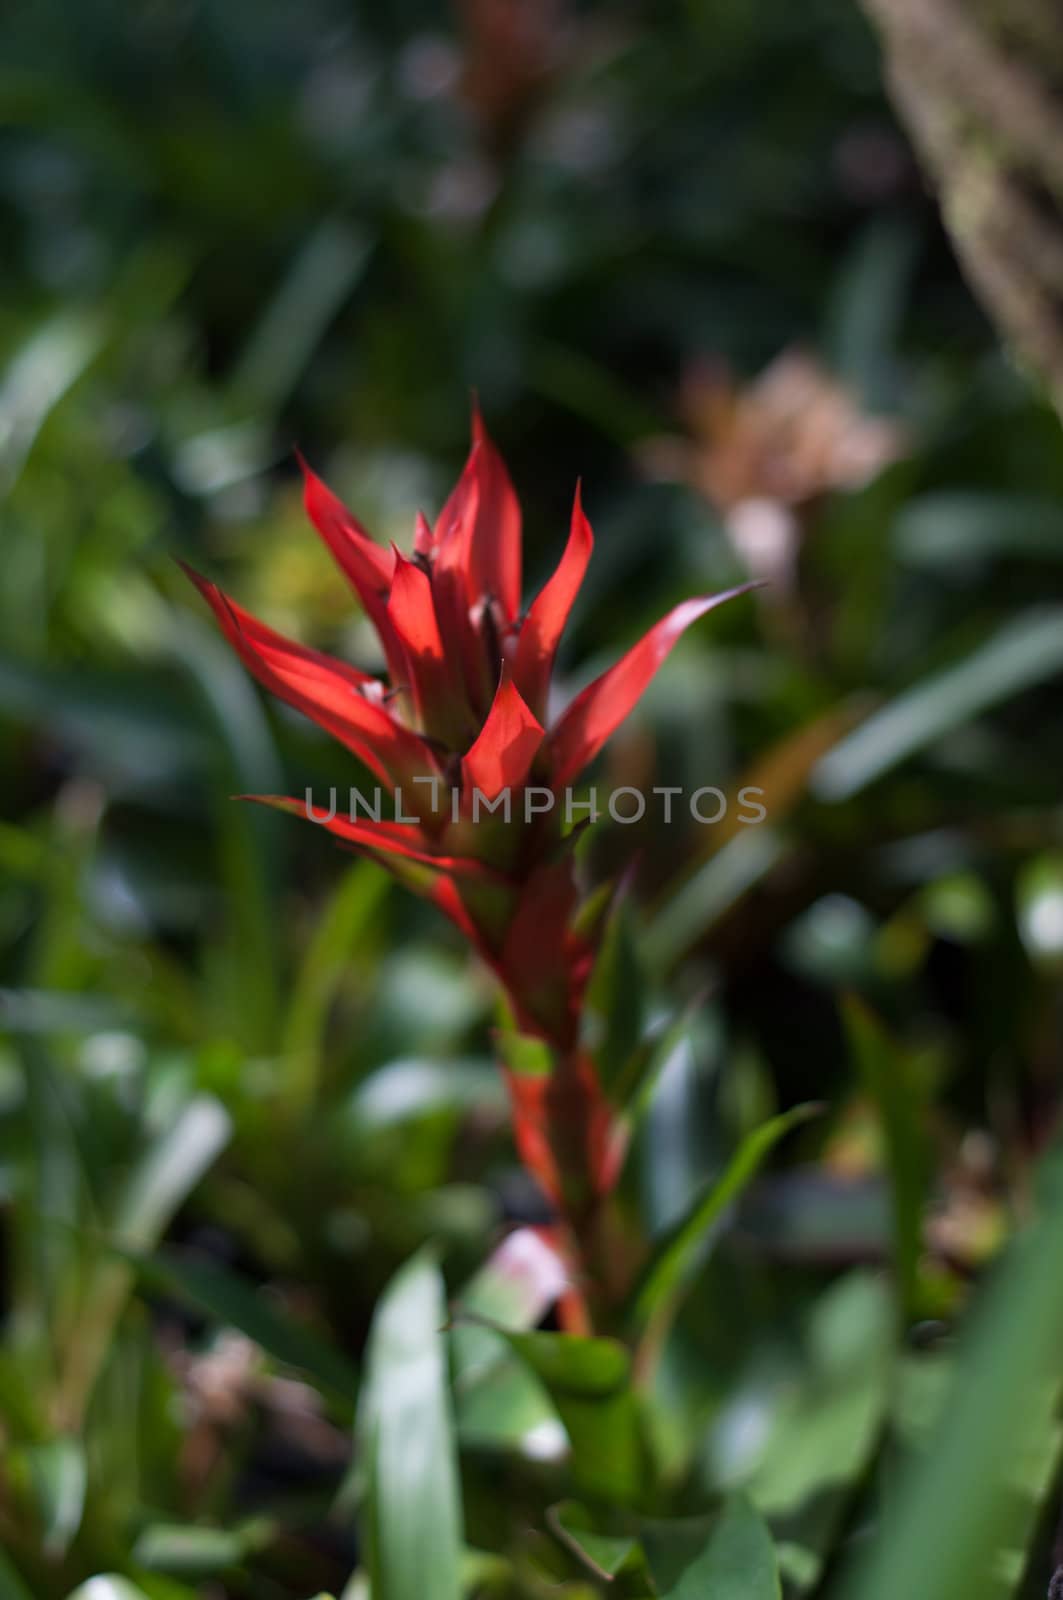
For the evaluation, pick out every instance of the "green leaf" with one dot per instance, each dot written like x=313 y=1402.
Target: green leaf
x=965 y=1503
x=414 y=1523
x=867 y=304
x=682 y=1251
x=323 y=274
x=503 y=1406
x=186 y=1551
x=58 y=1473
x=960 y=531
x=247 y=986
x=634 y=1090
x=590 y=389
x=737 y=1562
x=133 y=731
x=615 y=1004
x=420 y=1087
x=12 y=1586
x=350 y=915
x=111 y=1586
x=710 y=893
x=1022 y=653
x=589 y=1383
x=607 y=1555
x=888 y=1076
x=1039 y=911
x=47 y=366
x=514 y=1289
x=525 y=1055
x=169 y=1170
x=165 y=1175
x=822 y=1414
x=233 y=1301
x=108 y=1586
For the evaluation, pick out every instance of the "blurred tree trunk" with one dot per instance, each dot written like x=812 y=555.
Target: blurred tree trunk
x=979 y=84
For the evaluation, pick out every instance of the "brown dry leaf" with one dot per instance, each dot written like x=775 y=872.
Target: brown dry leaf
x=762 y=452
x=511 y=52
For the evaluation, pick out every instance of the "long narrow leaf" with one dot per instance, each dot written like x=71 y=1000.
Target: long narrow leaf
x=961 y=1506
x=1024 y=652
x=233 y=1301
x=167 y=1172
x=414 y=1524
x=682 y=1251
x=887 y=1076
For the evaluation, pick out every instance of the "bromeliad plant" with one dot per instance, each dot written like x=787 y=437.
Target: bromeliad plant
x=484 y=823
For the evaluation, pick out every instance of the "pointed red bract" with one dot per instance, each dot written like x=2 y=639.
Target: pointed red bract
x=328 y=692
x=369 y=567
x=422 y=535
x=506 y=745
x=479 y=682
x=412 y=609
x=480 y=526
x=451 y=543
x=495 y=545
x=437 y=692
x=367 y=564
x=602 y=706
x=545 y=622
x=389 y=838
x=267 y=640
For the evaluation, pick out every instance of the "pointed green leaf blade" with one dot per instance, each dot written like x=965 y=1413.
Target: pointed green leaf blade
x=414 y=1522
x=681 y=1252
x=589 y=1382
x=737 y=1561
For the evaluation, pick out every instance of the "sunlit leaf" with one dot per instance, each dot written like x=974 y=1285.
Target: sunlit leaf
x=1023 y=652
x=1039 y=894
x=615 y=1005
x=964 y=1503
x=352 y=913
x=515 y=1288
x=108 y=1587
x=589 y=1382
x=167 y=1171
x=414 y=1523
x=184 y=1550
x=50 y=362
x=59 y=1473
x=401 y=1091
x=798 y=1437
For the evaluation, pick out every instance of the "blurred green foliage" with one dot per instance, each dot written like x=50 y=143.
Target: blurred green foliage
x=242 y=1082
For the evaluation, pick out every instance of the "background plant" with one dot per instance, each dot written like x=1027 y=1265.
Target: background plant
x=253 y=1149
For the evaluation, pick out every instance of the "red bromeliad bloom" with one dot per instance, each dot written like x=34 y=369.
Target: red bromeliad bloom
x=463 y=721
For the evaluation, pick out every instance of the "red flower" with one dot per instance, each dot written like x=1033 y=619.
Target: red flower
x=466 y=712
